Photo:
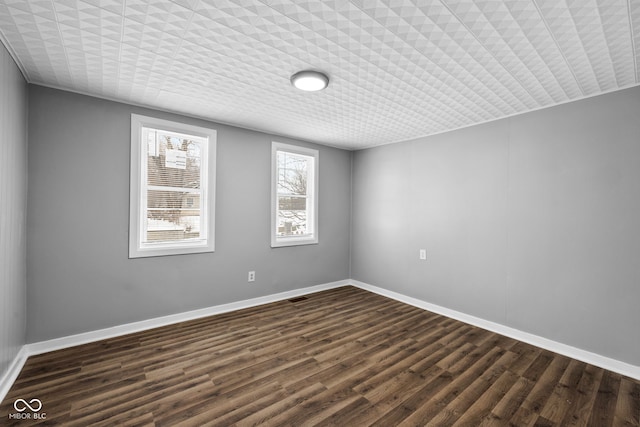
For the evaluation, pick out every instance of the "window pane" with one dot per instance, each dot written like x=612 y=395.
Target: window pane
x=172 y=215
x=292 y=173
x=172 y=188
x=173 y=161
x=294 y=199
x=292 y=216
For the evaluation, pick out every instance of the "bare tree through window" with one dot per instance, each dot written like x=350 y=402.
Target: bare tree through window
x=293 y=171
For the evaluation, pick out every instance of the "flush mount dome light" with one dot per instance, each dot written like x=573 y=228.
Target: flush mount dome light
x=310 y=81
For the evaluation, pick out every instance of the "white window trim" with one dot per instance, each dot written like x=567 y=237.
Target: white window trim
x=276 y=241
x=137 y=205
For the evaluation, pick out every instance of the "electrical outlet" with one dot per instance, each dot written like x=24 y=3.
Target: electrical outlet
x=423 y=254
x=252 y=276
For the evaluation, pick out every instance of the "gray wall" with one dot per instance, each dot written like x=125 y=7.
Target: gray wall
x=79 y=276
x=13 y=209
x=532 y=222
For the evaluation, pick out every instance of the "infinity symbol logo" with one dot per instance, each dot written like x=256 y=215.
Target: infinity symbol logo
x=21 y=405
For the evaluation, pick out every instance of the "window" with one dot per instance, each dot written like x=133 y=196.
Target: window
x=172 y=188
x=294 y=195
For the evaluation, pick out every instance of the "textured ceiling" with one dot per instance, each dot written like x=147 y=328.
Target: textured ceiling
x=399 y=69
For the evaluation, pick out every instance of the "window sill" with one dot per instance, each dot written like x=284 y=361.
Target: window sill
x=280 y=243
x=156 y=252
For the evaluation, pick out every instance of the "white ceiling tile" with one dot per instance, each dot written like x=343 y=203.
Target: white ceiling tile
x=399 y=69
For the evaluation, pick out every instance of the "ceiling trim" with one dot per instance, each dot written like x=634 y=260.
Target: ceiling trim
x=405 y=70
x=294 y=138
x=14 y=56
x=545 y=107
x=196 y=117
x=633 y=43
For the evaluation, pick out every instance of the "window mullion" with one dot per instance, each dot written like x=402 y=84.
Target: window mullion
x=174 y=189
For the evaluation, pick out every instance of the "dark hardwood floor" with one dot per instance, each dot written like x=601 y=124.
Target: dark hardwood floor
x=342 y=357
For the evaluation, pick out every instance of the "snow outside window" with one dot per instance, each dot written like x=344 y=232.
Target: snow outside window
x=172 y=188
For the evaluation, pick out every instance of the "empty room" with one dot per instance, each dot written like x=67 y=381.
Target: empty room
x=297 y=213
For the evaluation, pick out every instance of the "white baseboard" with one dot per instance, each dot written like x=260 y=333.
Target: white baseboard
x=87 y=337
x=129 y=328
x=69 y=341
x=12 y=373
x=564 y=349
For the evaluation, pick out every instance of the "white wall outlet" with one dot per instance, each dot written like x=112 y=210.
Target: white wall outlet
x=252 y=276
x=423 y=254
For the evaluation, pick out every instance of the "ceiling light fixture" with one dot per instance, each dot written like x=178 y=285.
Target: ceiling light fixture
x=310 y=81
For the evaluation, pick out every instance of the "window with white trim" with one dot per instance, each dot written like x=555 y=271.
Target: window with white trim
x=172 y=188
x=294 y=195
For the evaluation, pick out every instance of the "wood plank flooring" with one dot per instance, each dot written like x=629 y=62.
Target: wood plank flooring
x=343 y=357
